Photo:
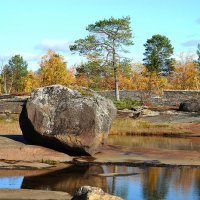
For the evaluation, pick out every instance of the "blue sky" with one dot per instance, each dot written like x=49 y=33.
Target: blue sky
x=30 y=27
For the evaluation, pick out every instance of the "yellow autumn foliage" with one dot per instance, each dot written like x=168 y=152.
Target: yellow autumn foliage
x=30 y=82
x=53 y=70
x=143 y=80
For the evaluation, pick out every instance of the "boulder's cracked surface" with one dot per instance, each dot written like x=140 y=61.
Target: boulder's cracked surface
x=72 y=121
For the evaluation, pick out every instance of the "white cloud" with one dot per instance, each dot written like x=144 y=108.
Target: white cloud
x=74 y=59
x=191 y=43
x=28 y=56
x=55 y=45
x=31 y=57
x=184 y=54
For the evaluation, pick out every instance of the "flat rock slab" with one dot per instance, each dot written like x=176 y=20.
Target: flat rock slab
x=33 y=194
x=174 y=117
x=23 y=165
x=133 y=156
x=16 y=154
x=29 y=173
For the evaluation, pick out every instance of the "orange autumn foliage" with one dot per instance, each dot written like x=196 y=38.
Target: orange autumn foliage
x=53 y=70
x=107 y=83
x=83 y=81
x=186 y=76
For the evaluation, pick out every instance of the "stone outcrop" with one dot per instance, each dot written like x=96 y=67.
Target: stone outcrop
x=151 y=98
x=10 y=107
x=192 y=105
x=72 y=121
x=93 y=193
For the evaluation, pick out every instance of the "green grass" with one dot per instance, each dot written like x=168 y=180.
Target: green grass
x=126 y=103
x=83 y=91
x=50 y=162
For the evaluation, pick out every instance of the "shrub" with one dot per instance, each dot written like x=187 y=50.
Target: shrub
x=126 y=103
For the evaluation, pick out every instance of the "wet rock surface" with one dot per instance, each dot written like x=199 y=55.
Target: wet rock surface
x=83 y=193
x=33 y=194
x=71 y=121
x=139 y=156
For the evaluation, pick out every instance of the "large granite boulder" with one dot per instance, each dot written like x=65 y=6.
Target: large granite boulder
x=93 y=193
x=192 y=105
x=71 y=121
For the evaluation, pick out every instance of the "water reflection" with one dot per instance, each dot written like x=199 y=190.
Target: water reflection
x=153 y=183
x=189 y=144
x=156 y=183
x=11 y=182
x=68 y=179
x=148 y=183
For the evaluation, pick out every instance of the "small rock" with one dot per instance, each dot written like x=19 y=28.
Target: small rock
x=147 y=112
x=137 y=109
x=126 y=110
x=169 y=112
x=192 y=105
x=135 y=115
x=93 y=193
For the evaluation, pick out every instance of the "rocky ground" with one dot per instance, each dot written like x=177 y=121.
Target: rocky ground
x=190 y=120
x=187 y=122
x=172 y=115
x=16 y=154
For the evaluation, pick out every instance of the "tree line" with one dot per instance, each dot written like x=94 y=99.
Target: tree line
x=107 y=66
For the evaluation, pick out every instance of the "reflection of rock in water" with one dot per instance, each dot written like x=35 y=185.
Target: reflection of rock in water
x=68 y=179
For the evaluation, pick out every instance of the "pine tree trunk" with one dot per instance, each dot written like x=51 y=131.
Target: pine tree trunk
x=5 y=84
x=116 y=87
x=115 y=73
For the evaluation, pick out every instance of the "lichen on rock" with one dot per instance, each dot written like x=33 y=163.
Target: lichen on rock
x=65 y=119
x=93 y=193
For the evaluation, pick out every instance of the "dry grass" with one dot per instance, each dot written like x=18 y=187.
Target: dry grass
x=7 y=127
x=121 y=126
x=128 y=126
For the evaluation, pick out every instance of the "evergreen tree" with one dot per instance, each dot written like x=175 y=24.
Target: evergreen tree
x=14 y=73
x=158 y=52
x=106 y=39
